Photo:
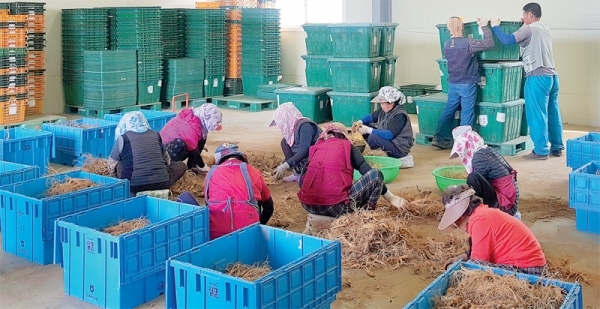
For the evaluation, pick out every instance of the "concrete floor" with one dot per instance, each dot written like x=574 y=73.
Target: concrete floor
x=27 y=285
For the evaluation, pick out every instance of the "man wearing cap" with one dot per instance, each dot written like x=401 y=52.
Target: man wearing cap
x=463 y=76
x=496 y=237
x=389 y=128
x=236 y=193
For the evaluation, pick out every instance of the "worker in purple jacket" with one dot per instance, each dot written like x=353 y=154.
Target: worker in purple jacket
x=463 y=76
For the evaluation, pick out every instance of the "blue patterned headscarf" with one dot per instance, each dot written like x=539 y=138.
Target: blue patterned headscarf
x=210 y=116
x=132 y=121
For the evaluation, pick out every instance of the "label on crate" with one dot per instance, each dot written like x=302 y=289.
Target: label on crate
x=441 y=73
x=457 y=115
x=331 y=102
x=483 y=120
x=321 y=104
x=223 y=79
x=389 y=38
x=12 y=109
x=150 y=89
x=480 y=31
x=206 y=82
x=417 y=109
x=482 y=81
x=374 y=40
x=215 y=83
x=160 y=83
x=501 y=117
x=409 y=99
x=31 y=103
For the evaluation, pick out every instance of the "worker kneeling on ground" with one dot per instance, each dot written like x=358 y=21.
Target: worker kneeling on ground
x=326 y=188
x=236 y=193
x=490 y=175
x=389 y=128
x=497 y=238
x=140 y=157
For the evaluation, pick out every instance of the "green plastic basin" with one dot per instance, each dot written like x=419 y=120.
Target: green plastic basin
x=390 y=167
x=443 y=181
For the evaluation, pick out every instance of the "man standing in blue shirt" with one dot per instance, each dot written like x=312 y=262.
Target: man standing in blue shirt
x=541 y=84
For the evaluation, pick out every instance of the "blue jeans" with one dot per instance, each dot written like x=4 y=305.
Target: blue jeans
x=459 y=95
x=543 y=113
x=377 y=142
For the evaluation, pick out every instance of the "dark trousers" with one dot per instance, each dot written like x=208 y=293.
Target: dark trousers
x=377 y=142
x=288 y=153
x=177 y=150
x=176 y=171
x=188 y=198
x=483 y=189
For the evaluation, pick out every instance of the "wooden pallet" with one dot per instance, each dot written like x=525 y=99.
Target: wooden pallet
x=423 y=139
x=514 y=147
x=244 y=103
x=34 y=121
x=99 y=113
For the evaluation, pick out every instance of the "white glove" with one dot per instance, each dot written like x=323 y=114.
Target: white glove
x=365 y=130
x=495 y=22
x=281 y=169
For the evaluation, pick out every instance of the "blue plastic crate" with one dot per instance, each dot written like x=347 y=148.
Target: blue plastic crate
x=128 y=270
x=156 y=119
x=97 y=139
x=583 y=149
x=13 y=173
x=573 y=300
x=587 y=221
x=28 y=216
x=584 y=187
x=306 y=271
x=27 y=146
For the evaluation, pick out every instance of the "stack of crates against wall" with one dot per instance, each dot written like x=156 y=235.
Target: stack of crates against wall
x=388 y=67
x=312 y=102
x=306 y=271
x=584 y=196
x=261 y=48
x=82 y=30
x=233 y=75
x=206 y=40
x=156 y=119
x=109 y=79
x=27 y=146
x=125 y=270
x=76 y=138
x=319 y=48
x=139 y=28
x=181 y=76
x=29 y=214
x=573 y=292
x=429 y=109
x=13 y=84
x=414 y=90
x=172 y=27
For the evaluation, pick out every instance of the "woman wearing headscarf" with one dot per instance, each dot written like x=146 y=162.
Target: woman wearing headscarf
x=185 y=135
x=326 y=188
x=140 y=157
x=490 y=175
x=389 y=128
x=299 y=133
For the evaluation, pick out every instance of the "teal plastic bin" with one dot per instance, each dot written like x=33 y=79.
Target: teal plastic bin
x=348 y=107
x=444 y=34
x=318 y=39
x=500 y=82
x=414 y=90
x=388 y=34
x=499 y=123
x=149 y=91
x=312 y=102
x=429 y=110
x=388 y=71
x=356 y=74
x=499 y=51
x=318 y=71
x=356 y=40
x=443 y=63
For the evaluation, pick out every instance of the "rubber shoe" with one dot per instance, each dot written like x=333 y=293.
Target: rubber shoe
x=535 y=156
x=440 y=145
x=556 y=153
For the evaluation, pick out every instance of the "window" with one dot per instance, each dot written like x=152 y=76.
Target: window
x=294 y=13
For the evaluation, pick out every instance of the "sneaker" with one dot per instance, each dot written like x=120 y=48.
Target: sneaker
x=556 y=153
x=535 y=156
x=407 y=161
x=440 y=145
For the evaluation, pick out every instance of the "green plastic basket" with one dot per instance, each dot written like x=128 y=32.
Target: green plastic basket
x=444 y=182
x=389 y=167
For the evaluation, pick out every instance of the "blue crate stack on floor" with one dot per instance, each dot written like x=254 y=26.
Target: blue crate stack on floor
x=13 y=172
x=156 y=119
x=27 y=146
x=583 y=156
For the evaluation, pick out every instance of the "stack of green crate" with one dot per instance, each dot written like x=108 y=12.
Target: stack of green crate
x=267 y=92
x=138 y=28
x=205 y=39
x=112 y=28
x=172 y=26
x=261 y=48
x=319 y=49
x=109 y=79
x=181 y=76
x=82 y=29
x=414 y=90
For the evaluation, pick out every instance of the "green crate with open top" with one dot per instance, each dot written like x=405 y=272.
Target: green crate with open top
x=499 y=51
x=356 y=40
x=312 y=102
x=318 y=39
x=429 y=110
x=318 y=72
x=499 y=123
x=348 y=107
x=356 y=74
x=500 y=81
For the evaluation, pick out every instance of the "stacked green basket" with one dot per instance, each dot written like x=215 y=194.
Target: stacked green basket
x=181 y=76
x=109 y=79
x=206 y=40
x=82 y=29
x=261 y=48
x=138 y=28
x=172 y=27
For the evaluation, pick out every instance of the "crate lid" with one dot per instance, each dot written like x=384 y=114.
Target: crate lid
x=353 y=94
x=355 y=25
x=390 y=25
x=391 y=57
x=374 y=59
x=315 y=25
x=442 y=60
x=435 y=98
x=417 y=86
x=502 y=64
x=306 y=57
x=502 y=105
x=304 y=90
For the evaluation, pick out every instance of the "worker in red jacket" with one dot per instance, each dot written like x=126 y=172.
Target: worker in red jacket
x=497 y=238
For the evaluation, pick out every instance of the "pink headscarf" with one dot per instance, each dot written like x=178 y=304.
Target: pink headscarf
x=334 y=127
x=286 y=117
x=466 y=143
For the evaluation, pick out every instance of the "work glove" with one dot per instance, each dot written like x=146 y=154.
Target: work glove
x=281 y=169
x=482 y=22
x=365 y=130
x=356 y=125
x=495 y=22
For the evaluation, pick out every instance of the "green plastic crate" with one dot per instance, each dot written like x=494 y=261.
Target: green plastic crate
x=444 y=35
x=356 y=74
x=73 y=92
x=318 y=39
x=356 y=40
x=443 y=63
x=388 y=34
x=411 y=91
x=250 y=82
x=429 y=110
x=149 y=91
x=500 y=82
x=312 y=102
x=499 y=51
x=499 y=123
x=388 y=71
x=214 y=85
x=318 y=71
x=348 y=107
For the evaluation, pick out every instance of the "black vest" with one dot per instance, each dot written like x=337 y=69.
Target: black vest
x=142 y=158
